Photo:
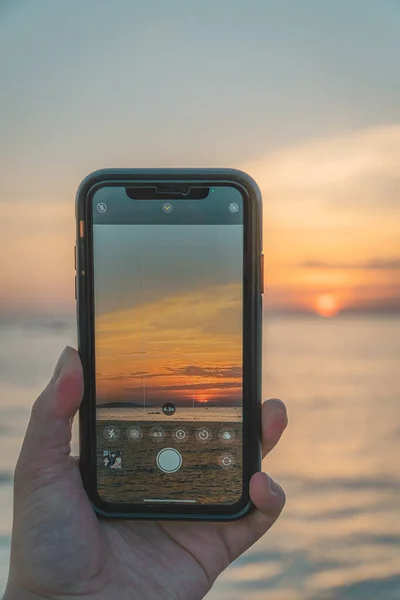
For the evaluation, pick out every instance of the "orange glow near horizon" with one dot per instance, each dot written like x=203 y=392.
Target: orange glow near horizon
x=327 y=305
x=322 y=231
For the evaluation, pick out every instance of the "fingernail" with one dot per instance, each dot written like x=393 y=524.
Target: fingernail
x=274 y=487
x=278 y=402
x=60 y=363
x=278 y=409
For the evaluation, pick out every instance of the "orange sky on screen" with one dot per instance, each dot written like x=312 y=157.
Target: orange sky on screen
x=172 y=347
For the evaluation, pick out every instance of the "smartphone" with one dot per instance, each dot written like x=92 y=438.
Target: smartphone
x=169 y=304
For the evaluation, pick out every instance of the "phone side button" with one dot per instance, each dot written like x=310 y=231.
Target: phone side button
x=75 y=287
x=262 y=273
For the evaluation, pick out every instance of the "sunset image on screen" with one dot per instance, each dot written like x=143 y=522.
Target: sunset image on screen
x=169 y=320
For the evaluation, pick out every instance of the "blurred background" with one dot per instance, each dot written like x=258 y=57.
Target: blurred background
x=305 y=96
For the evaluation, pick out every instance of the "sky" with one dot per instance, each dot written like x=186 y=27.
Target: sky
x=304 y=96
x=168 y=302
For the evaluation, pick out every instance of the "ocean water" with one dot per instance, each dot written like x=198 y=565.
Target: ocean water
x=339 y=536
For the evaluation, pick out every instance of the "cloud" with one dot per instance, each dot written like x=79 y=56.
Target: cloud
x=336 y=181
x=231 y=372
x=371 y=153
x=187 y=387
x=372 y=265
x=128 y=376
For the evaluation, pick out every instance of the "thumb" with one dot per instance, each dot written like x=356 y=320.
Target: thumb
x=46 y=446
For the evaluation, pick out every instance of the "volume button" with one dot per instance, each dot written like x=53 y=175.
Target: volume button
x=262 y=273
x=75 y=257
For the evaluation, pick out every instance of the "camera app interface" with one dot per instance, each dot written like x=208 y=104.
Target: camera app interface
x=168 y=287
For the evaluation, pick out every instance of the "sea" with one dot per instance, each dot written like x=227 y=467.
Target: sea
x=198 y=413
x=338 y=461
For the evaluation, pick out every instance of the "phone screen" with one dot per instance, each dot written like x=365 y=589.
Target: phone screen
x=168 y=339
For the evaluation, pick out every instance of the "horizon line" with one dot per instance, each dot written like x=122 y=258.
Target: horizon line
x=62 y=321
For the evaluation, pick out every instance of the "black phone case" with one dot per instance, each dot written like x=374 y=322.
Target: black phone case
x=252 y=424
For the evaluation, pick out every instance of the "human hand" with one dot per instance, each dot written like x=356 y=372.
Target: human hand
x=60 y=549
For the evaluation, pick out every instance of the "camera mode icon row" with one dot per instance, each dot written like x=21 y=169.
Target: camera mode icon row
x=158 y=434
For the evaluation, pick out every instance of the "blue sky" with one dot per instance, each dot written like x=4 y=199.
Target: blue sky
x=89 y=83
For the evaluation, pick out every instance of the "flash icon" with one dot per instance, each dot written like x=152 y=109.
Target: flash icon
x=101 y=207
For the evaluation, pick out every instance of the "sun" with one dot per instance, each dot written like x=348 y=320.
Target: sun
x=203 y=398
x=327 y=305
